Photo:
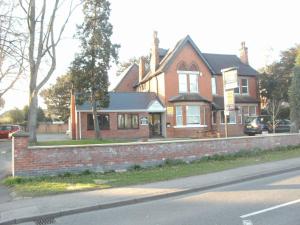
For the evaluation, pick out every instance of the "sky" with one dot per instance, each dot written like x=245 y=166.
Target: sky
x=216 y=26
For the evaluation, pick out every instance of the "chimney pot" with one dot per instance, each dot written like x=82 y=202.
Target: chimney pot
x=244 y=53
x=154 y=61
x=141 y=68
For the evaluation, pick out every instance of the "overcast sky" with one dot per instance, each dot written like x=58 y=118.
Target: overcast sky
x=216 y=26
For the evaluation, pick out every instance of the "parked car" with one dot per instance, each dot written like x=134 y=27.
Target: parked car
x=256 y=125
x=5 y=130
x=282 y=126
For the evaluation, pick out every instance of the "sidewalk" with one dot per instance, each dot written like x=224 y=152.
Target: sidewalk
x=26 y=210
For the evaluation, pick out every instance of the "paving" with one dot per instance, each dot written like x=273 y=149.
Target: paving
x=5 y=167
x=26 y=210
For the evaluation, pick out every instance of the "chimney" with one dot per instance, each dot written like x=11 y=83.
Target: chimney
x=244 y=53
x=141 y=68
x=154 y=53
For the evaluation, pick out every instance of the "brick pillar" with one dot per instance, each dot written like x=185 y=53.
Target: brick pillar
x=20 y=140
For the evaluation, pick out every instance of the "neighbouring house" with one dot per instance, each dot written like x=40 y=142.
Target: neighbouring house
x=180 y=96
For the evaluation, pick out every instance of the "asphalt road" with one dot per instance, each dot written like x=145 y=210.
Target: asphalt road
x=268 y=201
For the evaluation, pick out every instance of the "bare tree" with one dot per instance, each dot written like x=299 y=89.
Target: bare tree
x=12 y=46
x=44 y=35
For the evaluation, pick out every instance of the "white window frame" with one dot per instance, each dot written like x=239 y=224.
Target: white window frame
x=182 y=88
x=242 y=86
x=179 y=115
x=222 y=111
x=213 y=85
x=188 y=116
x=190 y=83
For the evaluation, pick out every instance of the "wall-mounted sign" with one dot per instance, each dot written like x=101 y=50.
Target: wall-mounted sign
x=144 y=120
x=170 y=110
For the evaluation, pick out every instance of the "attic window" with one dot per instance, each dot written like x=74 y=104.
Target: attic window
x=182 y=66
x=194 y=67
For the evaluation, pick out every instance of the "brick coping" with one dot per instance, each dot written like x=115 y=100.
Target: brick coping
x=158 y=142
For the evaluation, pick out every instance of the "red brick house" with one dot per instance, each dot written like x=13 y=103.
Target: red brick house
x=186 y=89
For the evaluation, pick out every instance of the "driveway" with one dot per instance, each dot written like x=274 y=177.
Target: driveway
x=52 y=137
x=5 y=167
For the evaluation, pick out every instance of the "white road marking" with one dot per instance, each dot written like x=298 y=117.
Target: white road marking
x=247 y=222
x=270 y=209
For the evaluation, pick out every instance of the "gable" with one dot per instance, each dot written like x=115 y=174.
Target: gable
x=156 y=106
x=128 y=79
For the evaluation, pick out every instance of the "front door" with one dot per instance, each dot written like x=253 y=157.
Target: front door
x=155 y=124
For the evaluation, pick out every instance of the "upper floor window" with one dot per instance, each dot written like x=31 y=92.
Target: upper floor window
x=237 y=89
x=244 y=86
x=214 y=85
x=193 y=83
x=182 y=83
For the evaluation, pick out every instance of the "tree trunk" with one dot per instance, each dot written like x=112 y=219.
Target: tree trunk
x=32 y=117
x=95 y=118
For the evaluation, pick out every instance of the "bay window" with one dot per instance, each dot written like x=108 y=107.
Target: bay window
x=192 y=115
x=179 y=116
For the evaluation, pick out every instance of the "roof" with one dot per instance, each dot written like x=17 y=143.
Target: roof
x=214 y=62
x=194 y=97
x=171 y=55
x=122 y=101
x=221 y=61
x=218 y=101
x=125 y=73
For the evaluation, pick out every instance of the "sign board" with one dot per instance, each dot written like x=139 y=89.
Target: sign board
x=230 y=78
x=229 y=103
x=144 y=120
x=170 y=110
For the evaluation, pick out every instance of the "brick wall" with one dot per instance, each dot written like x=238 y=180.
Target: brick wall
x=31 y=161
x=52 y=128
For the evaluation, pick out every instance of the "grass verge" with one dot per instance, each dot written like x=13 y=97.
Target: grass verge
x=79 y=142
x=171 y=169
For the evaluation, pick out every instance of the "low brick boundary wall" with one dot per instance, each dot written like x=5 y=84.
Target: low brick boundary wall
x=43 y=160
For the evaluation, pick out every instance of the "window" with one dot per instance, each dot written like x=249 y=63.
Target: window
x=213 y=86
x=239 y=114
x=231 y=119
x=245 y=110
x=193 y=115
x=128 y=121
x=103 y=120
x=182 y=83
x=244 y=86
x=252 y=110
x=214 y=117
x=193 y=83
x=222 y=117
x=179 y=115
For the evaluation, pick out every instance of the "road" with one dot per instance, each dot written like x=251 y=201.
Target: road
x=268 y=201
